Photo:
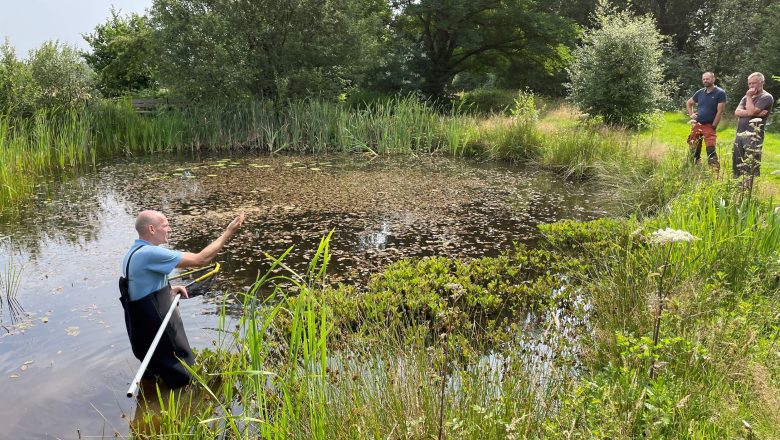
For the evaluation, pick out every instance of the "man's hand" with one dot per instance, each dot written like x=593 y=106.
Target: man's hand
x=751 y=91
x=175 y=290
x=235 y=224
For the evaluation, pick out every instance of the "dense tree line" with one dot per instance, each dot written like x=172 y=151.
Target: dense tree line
x=289 y=49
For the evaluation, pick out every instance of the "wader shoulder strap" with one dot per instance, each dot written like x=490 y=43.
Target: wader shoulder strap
x=127 y=268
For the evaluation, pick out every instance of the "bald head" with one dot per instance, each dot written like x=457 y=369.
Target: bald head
x=147 y=218
x=152 y=226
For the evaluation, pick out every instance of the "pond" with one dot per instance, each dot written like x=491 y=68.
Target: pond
x=64 y=355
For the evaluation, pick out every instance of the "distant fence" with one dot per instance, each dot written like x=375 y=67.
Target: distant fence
x=150 y=106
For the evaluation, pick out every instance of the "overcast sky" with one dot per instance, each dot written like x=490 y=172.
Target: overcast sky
x=28 y=23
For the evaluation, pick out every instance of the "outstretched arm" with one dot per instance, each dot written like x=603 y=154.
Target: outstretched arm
x=204 y=257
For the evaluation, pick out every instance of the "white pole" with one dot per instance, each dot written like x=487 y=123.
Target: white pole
x=148 y=357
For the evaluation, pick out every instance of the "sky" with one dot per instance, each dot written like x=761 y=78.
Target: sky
x=29 y=23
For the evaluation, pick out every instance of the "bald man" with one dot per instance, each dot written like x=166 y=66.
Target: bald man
x=146 y=295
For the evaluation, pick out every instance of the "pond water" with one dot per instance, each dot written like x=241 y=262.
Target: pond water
x=64 y=355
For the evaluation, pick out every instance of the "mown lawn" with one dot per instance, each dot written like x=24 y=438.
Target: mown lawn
x=672 y=131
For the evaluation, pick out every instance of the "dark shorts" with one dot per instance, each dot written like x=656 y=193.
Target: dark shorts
x=701 y=131
x=746 y=157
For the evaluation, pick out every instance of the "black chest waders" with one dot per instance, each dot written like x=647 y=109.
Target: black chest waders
x=143 y=318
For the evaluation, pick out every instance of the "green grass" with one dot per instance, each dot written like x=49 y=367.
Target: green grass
x=671 y=132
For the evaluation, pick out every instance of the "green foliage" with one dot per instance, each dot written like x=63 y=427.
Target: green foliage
x=680 y=22
x=515 y=139
x=54 y=77
x=487 y=101
x=449 y=37
x=589 y=151
x=593 y=238
x=743 y=40
x=767 y=52
x=122 y=55
x=485 y=293
x=617 y=73
x=223 y=50
x=61 y=77
x=17 y=89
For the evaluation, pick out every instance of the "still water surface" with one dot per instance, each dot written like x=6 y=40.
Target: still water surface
x=64 y=355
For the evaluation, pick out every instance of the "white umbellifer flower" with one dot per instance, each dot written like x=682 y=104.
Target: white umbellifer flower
x=669 y=235
x=692 y=122
x=745 y=134
x=756 y=120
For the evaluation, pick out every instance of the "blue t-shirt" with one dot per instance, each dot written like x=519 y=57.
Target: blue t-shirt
x=707 y=104
x=149 y=268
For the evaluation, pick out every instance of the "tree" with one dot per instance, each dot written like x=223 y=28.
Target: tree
x=122 y=55
x=617 y=72
x=228 y=49
x=744 y=39
x=447 y=37
x=681 y=21
x=768 y=49
x=17 y=88
x=61 y=76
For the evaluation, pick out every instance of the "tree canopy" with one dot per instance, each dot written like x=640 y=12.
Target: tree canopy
x=122 y=55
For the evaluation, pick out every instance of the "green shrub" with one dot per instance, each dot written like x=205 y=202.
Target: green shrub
x=618 y=73
x=62 y=77
x=17 y=88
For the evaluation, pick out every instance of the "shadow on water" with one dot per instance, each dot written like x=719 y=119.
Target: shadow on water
x=71 y=238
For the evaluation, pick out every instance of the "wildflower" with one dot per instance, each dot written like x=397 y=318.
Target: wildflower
x=746 y=134
x=693 y=122
x=756 y=120
x=669 y=235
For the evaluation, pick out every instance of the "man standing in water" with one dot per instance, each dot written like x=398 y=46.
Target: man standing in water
x=752 y=112
x=146 y=295
x=710 y=101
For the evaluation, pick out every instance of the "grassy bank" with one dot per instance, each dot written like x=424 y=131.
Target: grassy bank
x=609 y=329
